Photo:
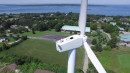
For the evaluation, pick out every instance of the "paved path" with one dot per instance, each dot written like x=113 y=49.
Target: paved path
x=11 y=67
x=49 y=37
x=109 y=36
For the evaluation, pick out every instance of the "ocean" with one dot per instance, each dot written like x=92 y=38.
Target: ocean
x=108 y=10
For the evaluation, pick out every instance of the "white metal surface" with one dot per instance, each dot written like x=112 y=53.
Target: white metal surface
x=71 y=61
x=69 y=43
x=94 y=59
x=82 y=17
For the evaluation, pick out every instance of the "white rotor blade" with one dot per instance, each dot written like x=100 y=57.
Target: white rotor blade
x=94 y=59
x=82 y=17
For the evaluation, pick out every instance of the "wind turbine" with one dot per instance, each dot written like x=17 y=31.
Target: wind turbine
x=72 y=42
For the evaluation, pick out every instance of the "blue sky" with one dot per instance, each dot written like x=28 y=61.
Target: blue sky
x=117 y=2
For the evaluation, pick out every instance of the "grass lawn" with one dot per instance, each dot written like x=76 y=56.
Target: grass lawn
x=0 y=44
x=124 y=60
x=39 y=34
x=11 y=39
x=116 y=60
x=46 y=52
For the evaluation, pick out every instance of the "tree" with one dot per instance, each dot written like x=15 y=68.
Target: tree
x=5 y=47
x=112 y=42
x=94 y=41
x=58 y=27
x=127 y=29
x=91 y=68
x=2 y=32
x=98 y=47
x=0 y=48
x=24 y=37
x=93 y=26
x=33 y=31
x=103 y=26
x=107 y=48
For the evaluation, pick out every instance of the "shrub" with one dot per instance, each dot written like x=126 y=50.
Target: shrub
x=108 y=48
x=94 y=41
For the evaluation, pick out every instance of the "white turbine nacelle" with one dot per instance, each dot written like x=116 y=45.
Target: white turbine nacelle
x=70 y=42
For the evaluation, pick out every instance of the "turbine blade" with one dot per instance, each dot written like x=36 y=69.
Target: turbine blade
x=94 y=59
x=82 y=17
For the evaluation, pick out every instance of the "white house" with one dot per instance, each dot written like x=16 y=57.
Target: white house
x=4 y=40
x=26 y=27
x=113 y=23
x=13 y=26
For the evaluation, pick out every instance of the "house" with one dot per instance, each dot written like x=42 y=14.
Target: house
x=125 y=23
x=123 y=19
x=113 y=23
x=101 y=20
x=125 y=38
x=4 y=40
x=26 y=27
x=107 y=19
x=13 y=26
x=73 y=29
x=51 y=14
x=121 y=29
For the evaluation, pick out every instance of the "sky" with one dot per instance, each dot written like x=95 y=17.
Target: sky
x=102 y=2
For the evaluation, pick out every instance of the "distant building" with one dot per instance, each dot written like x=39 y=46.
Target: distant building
x=4 y=40
x=26 y=27
x=121 y=29
x=125 y=38
x=13 y=26
x=113 y=23
x=73 y=29
x=107 y=19
x=125 y=23
x=123 y=19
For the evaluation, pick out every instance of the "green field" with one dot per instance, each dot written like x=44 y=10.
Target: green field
x=46 y=52
x=41 y=33
x=116 y=60
x=124 y=60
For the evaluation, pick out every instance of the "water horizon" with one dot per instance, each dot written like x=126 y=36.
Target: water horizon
x=108 y=10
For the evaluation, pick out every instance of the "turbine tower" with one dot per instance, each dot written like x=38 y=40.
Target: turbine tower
x=72 y=42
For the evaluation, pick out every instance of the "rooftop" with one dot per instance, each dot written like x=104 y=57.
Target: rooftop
x=121 y=29
x=125 y=37
x=73 y=28
x=113 y=23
